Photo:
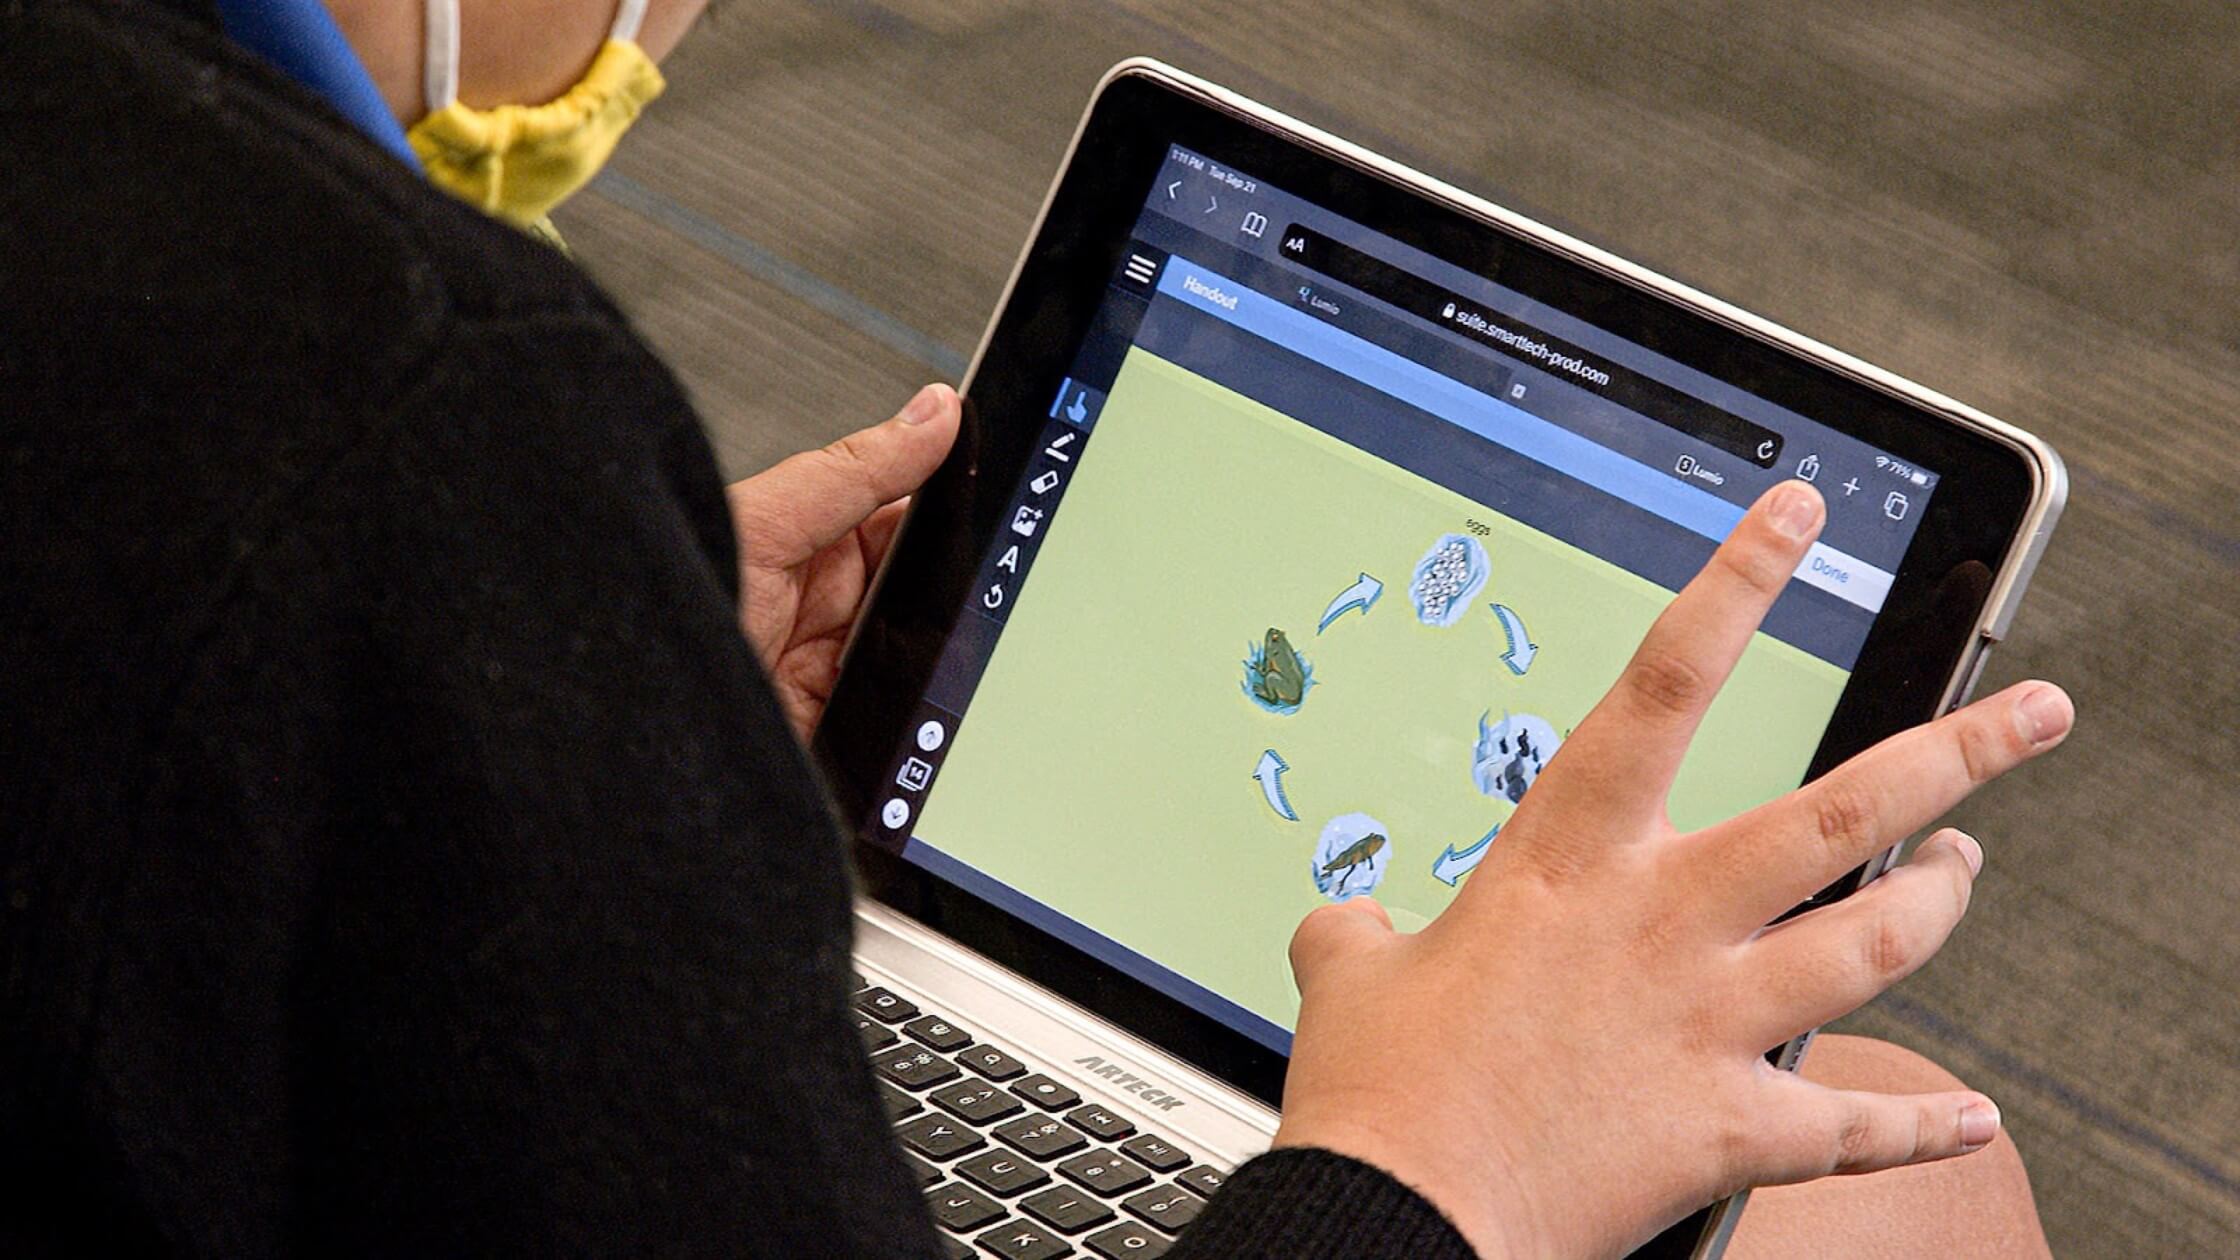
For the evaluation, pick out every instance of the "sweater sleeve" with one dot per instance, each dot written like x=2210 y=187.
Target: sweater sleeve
x=490 y=906
x=1301 y=1203
x=589 y=938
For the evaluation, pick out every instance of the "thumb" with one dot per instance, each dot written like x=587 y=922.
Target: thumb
x=808 y=502
x=1333 y=932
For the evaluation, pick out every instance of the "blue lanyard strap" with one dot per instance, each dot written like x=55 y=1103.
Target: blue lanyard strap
x=299 y=38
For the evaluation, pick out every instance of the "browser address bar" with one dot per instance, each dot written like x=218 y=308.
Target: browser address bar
x=1621 y=476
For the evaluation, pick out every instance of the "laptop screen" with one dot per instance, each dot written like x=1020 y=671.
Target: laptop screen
x=1327 y=547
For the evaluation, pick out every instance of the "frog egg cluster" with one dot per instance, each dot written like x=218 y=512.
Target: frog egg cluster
x=1444 y=579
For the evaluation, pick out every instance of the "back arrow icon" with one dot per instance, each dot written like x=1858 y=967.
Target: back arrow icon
x=1173 y=189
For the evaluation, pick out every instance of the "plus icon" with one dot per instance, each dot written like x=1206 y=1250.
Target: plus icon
x=1850 y=487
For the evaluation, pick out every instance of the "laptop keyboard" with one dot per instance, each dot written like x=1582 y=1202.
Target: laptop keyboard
x=1012 y=1161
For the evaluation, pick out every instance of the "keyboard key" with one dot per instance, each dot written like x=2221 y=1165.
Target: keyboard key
x=1106 y=1172
x=991 y=1062
x=1019 y=1240
x=938 y=1033
x=1168 y=1207
x=1042 y=1137
x=1002 y=1172
x=938 y=1137
x=1125 y=1241
x=959 y=1249
x=898 y=1103
x=1156 y=1152
x=875 y=1035
x=1097 y=1122
x=926 y=1173
x=887 y=1007
x=977 y=1101
x=1044 y=1092
x=1065 y=1209
x=963 y=1208
x=1205 y=1178
x=914 y=1069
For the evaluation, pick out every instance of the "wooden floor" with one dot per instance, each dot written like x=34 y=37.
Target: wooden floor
x=2032 y=206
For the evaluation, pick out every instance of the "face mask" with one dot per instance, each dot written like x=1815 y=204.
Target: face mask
x=519 y=161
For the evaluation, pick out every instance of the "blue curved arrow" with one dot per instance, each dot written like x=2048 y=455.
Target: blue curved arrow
x=1270 y=773
x=1521 y=647
x=1450 y=866
x=1362 y=595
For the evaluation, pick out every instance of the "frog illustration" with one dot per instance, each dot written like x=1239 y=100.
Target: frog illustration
x=1275 y=675
x=1354 y=855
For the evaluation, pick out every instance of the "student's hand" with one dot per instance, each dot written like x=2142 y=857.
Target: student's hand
x=813 y=529
x=1571 y=1056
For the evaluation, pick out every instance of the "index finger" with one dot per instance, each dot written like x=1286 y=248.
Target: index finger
x=1630 y=747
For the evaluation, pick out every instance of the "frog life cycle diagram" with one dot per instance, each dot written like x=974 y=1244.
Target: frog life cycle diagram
x=1353 y=850
x=1260 y=669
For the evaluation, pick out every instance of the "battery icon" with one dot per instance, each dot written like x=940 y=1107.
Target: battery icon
x=1920 y=478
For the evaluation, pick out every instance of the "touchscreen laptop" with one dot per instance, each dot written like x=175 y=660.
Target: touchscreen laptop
x=1303 y=506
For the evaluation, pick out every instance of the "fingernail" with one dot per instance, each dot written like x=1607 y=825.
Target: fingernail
x=1979 y=1123
x=1970 y=851
x=2044 y=715
x=1794 y=511
x=922 y=406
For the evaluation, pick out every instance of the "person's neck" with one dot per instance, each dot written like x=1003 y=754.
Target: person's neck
x=388 y=38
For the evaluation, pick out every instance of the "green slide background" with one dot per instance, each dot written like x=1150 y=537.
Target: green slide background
x=1105 y=766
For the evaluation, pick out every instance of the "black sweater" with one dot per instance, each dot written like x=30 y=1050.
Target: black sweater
x=400 y=850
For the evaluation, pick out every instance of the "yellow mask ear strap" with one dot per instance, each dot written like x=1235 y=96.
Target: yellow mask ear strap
x=629 y=15
x=439 y=73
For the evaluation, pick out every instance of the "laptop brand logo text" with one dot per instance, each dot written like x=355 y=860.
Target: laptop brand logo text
x=1129 y=1081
